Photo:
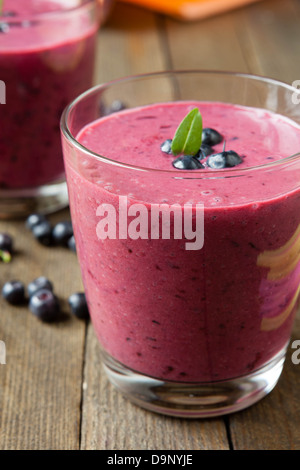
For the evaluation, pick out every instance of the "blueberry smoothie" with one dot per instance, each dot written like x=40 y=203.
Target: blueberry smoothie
x=46 y=59
x=216 y=313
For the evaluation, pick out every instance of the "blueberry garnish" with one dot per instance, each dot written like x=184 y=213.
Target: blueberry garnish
x=62 y=232
x=13 y=292
x=187 y=162
x=78 y=305
x=224 y=159
x=232 y=158
x=6 y=242
x=211 y=136
x=42 y=232
x=72 y=244
x=34 y=219
x=217 y=161
x=205 y=151
x=166 y=146
x=44 y=305
x=37 y=284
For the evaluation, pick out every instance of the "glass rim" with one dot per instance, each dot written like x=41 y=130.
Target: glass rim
x=46 y=14
x=183 y=174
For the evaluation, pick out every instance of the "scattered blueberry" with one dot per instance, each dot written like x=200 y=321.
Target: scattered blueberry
x=166 y=146
x=78 y=305
x=6 y=242
x=62 y=232
x=43 y=233
x=211 y=136
x=35 y=219
x=37 y=284
x=187 y=162
x=44 y=305
x=72 y=244
x=13 y=292
x=217 y=161
x=232 y=158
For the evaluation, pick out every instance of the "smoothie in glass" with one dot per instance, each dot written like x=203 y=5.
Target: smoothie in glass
x=177 y=316
x=47 y=52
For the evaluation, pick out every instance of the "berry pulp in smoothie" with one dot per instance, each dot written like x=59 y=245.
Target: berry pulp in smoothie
x=193 y=316
x=46 y=60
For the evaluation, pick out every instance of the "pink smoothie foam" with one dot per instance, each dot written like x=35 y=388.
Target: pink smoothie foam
x=193 y=316
x=44 y=63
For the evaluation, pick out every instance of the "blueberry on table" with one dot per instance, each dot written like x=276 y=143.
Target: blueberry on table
x=62 y=232
x=6 y=242
x=44 y=305
x=166 y=146
x=72 y=244
x=78 y=305
x=42 y=232
x=37 y=284
x=187 y=162
x=34 y=219
x=211 y=136
x=13 y=292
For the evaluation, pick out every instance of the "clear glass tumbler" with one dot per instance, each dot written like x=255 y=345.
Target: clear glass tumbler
x=47 y=55
x=190 y=333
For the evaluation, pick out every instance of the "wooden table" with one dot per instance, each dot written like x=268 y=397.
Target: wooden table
x=53 y=393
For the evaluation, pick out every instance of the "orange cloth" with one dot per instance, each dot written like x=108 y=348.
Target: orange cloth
x=190 y=9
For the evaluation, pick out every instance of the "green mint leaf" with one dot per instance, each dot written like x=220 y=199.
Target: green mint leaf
x=1 y=6
x=188 y=135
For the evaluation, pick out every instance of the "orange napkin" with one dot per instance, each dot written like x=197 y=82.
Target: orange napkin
x=190 y=9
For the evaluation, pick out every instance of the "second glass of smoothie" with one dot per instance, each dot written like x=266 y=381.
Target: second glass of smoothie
x=193 y=320
x=47 y=54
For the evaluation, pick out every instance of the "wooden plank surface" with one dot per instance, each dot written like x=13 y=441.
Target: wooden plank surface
x=53 y=392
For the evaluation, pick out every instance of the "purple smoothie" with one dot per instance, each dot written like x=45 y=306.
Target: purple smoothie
x=193 y=316
x=46 y=59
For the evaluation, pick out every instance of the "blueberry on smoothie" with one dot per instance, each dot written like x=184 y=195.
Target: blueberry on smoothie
x=211 y=136
x=13 y=292
x=217 y=161
x=226 y=159
x=166 y=146
x=232 y=158
x=187 y=162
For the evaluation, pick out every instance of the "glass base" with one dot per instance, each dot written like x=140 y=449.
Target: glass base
x=44 y=200
x=195 y=400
